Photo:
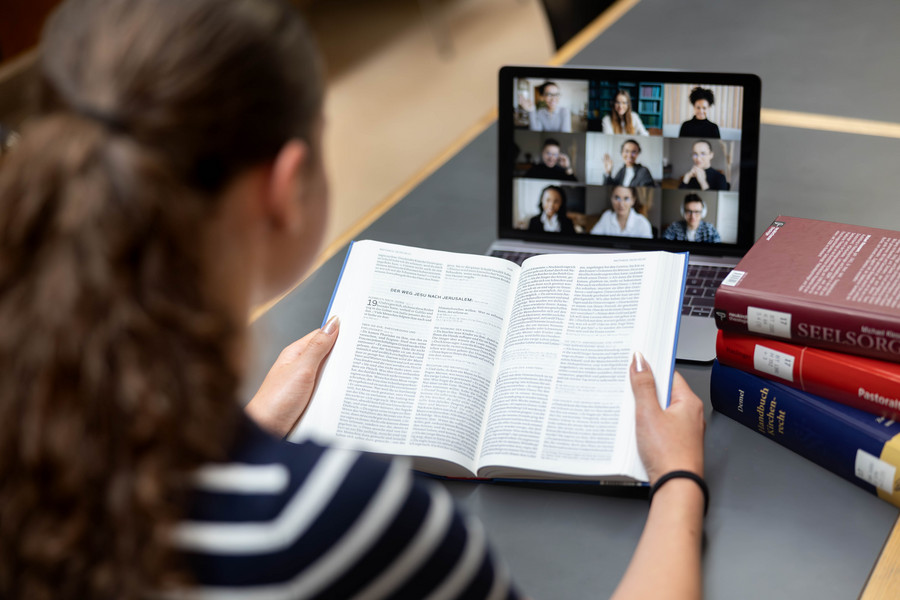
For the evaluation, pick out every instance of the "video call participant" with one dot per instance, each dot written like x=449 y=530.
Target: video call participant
x=702 y=176
x=692 y=228
x=631 y=173
x=623 y=218
x=621 y=119
x=554 y=164
x=551 y=116
x=142 y=218
x=553 y=212
x=700 y=126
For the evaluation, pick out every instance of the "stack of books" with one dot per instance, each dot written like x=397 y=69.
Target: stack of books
x=808 y=352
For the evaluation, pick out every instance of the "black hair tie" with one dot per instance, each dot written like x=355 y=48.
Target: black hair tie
x=683 y=475
x=108 y=121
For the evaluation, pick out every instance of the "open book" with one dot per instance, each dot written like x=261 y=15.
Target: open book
x=477 y=367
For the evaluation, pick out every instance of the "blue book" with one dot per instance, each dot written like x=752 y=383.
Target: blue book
x=860 y=447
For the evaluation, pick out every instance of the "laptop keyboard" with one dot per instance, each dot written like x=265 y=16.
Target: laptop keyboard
x=515 y=256
x=700 y=287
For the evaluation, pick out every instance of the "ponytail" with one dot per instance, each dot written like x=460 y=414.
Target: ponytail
x=118 y=365
x=118 y=372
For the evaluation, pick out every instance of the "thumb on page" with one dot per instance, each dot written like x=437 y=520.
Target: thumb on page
x=643 y=384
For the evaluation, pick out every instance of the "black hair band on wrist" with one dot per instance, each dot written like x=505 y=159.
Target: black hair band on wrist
x=684 y=475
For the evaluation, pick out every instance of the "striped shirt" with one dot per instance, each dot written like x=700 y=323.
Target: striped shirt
x=285 y=520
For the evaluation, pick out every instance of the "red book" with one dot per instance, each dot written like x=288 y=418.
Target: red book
x=864 y=383
x=819 y=284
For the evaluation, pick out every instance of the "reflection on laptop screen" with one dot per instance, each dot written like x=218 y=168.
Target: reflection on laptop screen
x=662 y=158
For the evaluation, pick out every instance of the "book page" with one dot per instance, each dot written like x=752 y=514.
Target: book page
x=412 y=366
x=562 y=402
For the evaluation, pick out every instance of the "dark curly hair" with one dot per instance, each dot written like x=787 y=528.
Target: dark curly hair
x=118 y=374
x=701 y=93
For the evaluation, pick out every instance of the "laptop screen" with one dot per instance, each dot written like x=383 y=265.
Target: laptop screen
x=629 y=158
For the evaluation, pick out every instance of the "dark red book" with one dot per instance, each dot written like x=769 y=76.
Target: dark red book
x=864 y=383
x=819 y=284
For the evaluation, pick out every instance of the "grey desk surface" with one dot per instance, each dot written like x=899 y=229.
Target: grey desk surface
x=779 y=526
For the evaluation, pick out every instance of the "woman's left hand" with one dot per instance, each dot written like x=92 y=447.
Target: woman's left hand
x=285 y=393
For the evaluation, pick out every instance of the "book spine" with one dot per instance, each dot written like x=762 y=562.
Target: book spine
x=858 y=446
x=337 y=284
x=812 y=323
x=863 y=383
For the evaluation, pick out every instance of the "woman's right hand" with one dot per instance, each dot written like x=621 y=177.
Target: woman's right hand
x=607 y=164
x=666 y=562
x=670 y=439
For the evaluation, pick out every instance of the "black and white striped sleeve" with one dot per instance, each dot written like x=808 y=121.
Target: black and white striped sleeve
x=313 y=522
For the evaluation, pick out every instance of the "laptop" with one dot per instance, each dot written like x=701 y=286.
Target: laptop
x=606 y=159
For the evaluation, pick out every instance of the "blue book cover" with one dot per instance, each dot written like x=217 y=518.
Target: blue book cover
x=859 y=446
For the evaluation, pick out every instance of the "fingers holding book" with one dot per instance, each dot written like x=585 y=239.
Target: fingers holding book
x=285 y=393
x=671 y=439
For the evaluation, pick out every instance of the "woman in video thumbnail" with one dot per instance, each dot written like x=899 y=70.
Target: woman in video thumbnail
x=632 y=173
x=551 y=116
x=553 y=212
x=699 y=126
x=702 y=175
x=623 y=218
x=621 y=119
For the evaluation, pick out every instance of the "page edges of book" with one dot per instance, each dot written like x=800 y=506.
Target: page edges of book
x=667 y=263
x=299 y=431
x=686 y=257
x=337 y=283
